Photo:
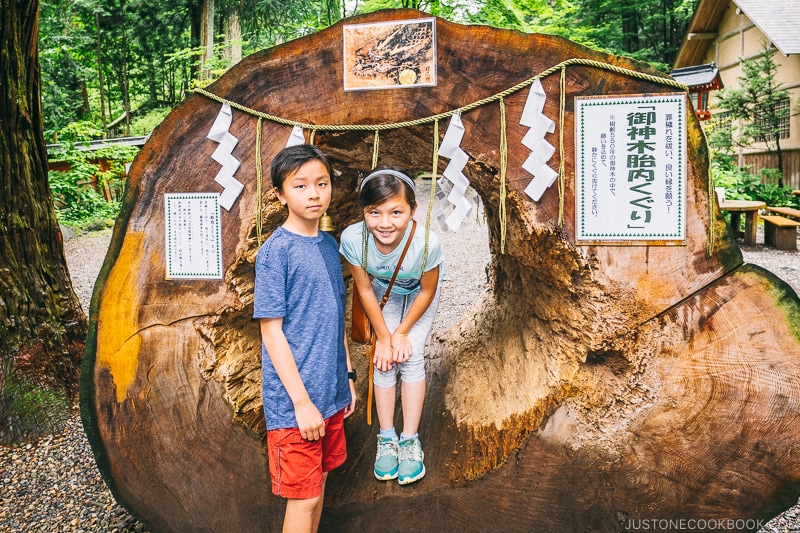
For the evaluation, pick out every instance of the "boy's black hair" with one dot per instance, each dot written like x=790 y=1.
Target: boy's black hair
x=291 y=158
x=383 y=187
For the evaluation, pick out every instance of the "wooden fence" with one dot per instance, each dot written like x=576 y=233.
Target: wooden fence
x=791 y=165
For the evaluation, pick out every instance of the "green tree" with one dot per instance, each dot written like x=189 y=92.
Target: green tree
x=65 y=65
x=643 y=29
x=759 y=103
x=42 y=326
x=101 y=57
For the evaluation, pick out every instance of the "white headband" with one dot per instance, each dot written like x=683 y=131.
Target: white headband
x=390 y=172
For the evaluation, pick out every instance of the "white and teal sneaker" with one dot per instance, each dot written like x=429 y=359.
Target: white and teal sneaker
x=410 y=456
x=386 y=458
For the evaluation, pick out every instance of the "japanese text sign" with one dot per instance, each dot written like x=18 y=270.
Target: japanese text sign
x=630 y=169
x=194 y=237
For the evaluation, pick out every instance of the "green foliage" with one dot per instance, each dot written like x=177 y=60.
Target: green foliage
x=78 y=203
x=79 y=132
x=770 y=175
x=738 y=183
x=75 y=191
x=645 y=30
x=28 y=411
x=772 y=194
x=212 y=68
x=146 y=123
x=756 y=100
x=497 y=13
x=757 y=104
x=64 y=65
x=148 y=52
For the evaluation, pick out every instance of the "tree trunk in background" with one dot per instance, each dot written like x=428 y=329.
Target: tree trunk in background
x=591 y=386
x=100 y=74
x=206 y=39
x=195 y=10
x=42 y=326
x=124 y=85
x=233 y=36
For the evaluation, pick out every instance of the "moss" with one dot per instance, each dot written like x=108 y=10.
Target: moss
x=29 y=411
x=784 y=296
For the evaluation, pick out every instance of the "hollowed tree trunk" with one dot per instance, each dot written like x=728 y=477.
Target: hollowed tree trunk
x=594 y=384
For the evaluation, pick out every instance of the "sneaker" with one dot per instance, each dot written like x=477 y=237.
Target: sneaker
x=410 y=455
x=386 y=459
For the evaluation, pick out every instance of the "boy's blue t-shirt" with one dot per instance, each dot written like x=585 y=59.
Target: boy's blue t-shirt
x=299 y=279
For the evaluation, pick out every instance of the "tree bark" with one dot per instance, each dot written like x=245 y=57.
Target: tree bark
x=100 y=73
x=592 y=385
x=207 y=39
x=42 y=326
x=233 y=39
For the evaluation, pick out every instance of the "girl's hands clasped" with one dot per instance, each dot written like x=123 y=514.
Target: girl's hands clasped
x=384 y=357
x=401 y=348
x=397 y=350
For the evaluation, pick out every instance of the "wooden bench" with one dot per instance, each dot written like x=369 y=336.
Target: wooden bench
x=786 y=211
x=780 y=232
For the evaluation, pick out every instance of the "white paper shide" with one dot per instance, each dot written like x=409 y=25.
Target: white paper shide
x=453 y=184
x=232 y=187
x=541 y=150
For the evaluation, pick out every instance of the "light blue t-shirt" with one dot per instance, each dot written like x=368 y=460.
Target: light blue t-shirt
x=299 y=279
x=382 y=267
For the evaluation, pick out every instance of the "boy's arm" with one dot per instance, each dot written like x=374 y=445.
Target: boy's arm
x=309 y=420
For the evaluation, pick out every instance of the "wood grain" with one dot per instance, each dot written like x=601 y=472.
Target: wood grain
x=593 y=385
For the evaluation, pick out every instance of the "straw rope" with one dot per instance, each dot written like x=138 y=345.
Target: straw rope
x=259 y=178
x=503 y=166
x=712 y=199
x=446 y=114
x=377 y=128
x=561 y=181
x=434 y=173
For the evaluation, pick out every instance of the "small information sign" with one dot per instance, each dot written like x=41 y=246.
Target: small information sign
x=194 y=236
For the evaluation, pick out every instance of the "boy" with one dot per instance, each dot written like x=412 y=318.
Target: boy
x=307 y=378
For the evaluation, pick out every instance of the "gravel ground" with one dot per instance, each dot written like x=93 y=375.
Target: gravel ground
x=53 y=484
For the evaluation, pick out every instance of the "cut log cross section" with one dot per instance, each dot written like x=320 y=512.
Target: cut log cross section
x=595 y=385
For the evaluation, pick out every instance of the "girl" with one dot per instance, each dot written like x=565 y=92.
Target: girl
x=372 y=248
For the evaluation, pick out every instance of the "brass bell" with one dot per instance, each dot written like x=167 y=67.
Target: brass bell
x=326 y=223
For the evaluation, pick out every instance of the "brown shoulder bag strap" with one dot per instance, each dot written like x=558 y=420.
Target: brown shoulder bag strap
x=373 y=340
x=399 y=264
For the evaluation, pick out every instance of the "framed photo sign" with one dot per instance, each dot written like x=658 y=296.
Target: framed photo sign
x=194 y=236
x=390 y=55
x=630 y=170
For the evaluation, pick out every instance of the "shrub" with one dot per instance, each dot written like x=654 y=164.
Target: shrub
x=28 y=411
x=75 y=191
x=145 y=124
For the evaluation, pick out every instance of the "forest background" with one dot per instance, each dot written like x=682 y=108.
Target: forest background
x=115 y=68
x=103 y=59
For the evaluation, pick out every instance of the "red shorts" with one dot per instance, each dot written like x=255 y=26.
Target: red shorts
x=296 y=465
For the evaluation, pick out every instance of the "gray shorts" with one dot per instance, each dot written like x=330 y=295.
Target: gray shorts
x=413 y=370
